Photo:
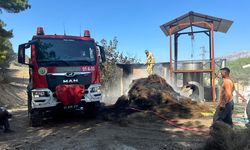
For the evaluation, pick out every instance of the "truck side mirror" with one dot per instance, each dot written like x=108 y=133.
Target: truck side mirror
x=21 y=53
x=102 y=53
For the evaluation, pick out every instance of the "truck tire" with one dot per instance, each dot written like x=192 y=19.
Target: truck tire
x=91 y=109
x=248 y=110
x=36 y=118
x=29 y=103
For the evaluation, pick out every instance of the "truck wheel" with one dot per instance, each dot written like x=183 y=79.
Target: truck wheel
x=36 y=118
x=91 y=109
x=29 y=103
x=248 y=110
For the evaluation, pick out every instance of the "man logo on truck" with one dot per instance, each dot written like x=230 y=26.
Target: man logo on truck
x=70 y=81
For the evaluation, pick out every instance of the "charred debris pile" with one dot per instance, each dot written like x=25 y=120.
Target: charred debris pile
x=155 y=94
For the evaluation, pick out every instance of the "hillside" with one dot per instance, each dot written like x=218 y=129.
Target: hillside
x=13 y=88
x=238 y=72
x=235 y=61
x=236 y=55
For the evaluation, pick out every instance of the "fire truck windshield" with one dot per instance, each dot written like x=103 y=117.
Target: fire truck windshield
x=61 y=52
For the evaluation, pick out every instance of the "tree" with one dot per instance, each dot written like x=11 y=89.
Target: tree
x=5 y=46
x=6 y=51
x=110 y=72
x=14 y=6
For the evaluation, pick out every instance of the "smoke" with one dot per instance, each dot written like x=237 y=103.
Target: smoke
x=123 y=83
x=162 y=71
x=117 y=89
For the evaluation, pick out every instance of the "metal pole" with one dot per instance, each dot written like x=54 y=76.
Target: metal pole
x=213 y=62
x=205 y=31
x=210 y=47
x=171 y=67
x=175 y=56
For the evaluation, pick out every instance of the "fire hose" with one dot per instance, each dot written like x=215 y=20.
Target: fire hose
x=169 y=121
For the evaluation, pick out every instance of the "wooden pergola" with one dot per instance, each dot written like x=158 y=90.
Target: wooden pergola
x=208 y=24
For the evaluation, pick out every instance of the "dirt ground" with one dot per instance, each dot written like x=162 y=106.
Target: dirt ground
x=78 y=132
x=13 y=92
x=137 y=131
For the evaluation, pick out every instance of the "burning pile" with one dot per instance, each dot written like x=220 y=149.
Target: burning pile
x=154 y=93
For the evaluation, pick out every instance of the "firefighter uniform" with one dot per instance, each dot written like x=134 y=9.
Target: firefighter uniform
x=150 y=62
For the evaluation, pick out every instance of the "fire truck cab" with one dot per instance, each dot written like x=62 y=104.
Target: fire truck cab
x=64 y=74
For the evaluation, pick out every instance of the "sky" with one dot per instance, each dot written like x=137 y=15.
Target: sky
x=135 y=23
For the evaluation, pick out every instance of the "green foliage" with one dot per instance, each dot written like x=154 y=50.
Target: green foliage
x=110 y=72
x=238 y=73
x=5 y=46
x=6 y=51
x=14 y=6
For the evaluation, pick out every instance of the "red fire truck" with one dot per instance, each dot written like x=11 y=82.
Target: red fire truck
x=64 y=74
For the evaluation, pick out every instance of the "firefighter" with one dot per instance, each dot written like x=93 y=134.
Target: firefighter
x=150 y=62
x=4 y=120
